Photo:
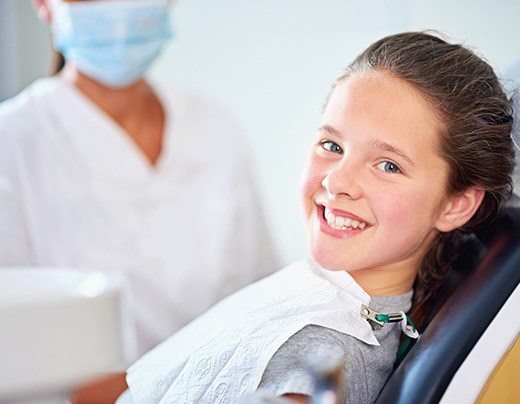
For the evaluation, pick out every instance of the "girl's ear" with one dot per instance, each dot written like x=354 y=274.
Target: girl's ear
x=43 y=10
x=459 y=209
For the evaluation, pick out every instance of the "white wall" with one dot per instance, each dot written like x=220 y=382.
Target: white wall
x=9 y=76
x=24 y=46
x=272 y=62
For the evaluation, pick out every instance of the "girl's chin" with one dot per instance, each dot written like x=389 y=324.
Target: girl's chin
x=324 y=260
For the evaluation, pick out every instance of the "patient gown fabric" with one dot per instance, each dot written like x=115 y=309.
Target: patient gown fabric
x=221 y=356
x=75 y=191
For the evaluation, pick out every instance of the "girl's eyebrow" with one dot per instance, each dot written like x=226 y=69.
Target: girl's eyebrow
x=378 y=144
x=330 y=129
x=373 y=143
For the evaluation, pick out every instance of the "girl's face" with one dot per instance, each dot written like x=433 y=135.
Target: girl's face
x=374 y=184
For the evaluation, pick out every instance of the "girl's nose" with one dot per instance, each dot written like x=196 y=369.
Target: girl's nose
x=342 y=182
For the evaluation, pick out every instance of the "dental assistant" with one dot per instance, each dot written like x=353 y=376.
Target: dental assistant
x=99 y=168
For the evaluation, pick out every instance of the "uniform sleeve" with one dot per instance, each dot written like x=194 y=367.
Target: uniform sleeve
x=250 y=244
x=256 y=255
x=15 y=247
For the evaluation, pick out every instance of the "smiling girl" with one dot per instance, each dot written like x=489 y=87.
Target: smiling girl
x=414 y=150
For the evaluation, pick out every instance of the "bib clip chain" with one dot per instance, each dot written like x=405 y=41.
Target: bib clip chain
x=407 y=325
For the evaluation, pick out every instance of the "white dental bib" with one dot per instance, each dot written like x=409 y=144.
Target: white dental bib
x=221 y=355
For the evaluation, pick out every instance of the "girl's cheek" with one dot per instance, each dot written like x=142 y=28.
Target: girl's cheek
x=395 y=214
x=312 y=176
x=399 y=207
x=310 y=181
x=389 y=204
x=306 y=189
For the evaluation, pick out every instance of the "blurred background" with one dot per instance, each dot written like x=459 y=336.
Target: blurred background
x=272 y=63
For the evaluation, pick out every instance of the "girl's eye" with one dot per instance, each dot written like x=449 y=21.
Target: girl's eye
x=331 y=146
x=389 y=167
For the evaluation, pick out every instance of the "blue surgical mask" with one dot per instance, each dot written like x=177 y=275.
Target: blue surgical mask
x=111 y=41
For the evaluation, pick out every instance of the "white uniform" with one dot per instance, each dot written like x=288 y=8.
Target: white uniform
x=76 y=191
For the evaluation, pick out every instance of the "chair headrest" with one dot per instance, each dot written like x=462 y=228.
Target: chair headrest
x=484 y=277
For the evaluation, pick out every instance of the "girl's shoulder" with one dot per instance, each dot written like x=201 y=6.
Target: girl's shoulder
x=364 y=367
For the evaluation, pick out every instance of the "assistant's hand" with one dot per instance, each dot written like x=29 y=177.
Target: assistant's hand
x=297 y=398
x=104 y=390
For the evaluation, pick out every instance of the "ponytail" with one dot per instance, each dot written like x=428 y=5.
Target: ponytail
x=435 y=268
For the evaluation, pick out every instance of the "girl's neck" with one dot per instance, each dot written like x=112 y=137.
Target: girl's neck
x=394 y=278
x=384 y=282
x=391 y=279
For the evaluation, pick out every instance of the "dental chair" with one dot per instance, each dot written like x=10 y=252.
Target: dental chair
x=474 y=320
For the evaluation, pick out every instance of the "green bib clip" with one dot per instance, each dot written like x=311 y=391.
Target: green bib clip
x=407 y=325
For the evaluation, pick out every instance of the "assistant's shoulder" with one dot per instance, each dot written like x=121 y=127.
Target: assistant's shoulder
x=192 y=99
x=22 y=103
x=19 y=115
x=208 y=115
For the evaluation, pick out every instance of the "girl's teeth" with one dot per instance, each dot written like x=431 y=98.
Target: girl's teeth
x=341 y=223
x=327 y=215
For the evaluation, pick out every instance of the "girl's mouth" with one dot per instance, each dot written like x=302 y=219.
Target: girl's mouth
x=341 y=222
x=337 y=225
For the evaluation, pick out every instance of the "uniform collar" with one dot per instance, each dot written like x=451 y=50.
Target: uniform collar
x=102 y=144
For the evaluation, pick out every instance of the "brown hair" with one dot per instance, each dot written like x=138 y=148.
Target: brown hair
x=477 y=118
x=57 y=63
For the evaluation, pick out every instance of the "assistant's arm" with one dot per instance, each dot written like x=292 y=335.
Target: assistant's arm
x=249 y=243
x=104 y=390
x=15 y=245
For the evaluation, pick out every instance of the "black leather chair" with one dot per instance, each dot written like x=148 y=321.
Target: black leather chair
x=484 y=277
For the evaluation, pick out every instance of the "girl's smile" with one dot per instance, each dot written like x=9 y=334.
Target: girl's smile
x=339 y=223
